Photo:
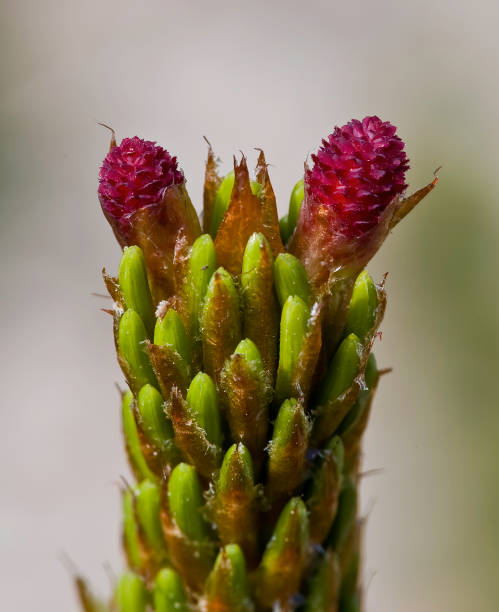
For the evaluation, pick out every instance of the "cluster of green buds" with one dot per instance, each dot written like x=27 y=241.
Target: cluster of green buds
x=250 y=379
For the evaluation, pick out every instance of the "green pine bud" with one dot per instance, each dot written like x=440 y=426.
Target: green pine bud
x=284 y=228
x=236 y=473
x=362 y=309
x=220 y=322
x=227 y=587
x=342 y=370
x=202 y=403
x=333 y=399
x=132 y=440
x=345 y=518
x=371 y=376
x=193 y=421
x=200 y=268
x=246 y=392
x=258 y=296
x=147 y=505
x=132 y=336
x=133 y=283
x=185 y=499
x=248 y=349
x=287 y=450
x=294 y=320
x=325 y=488
x=153 y=421
x=291 y=278
x=131 y=593
x=284 y=558
x=168 y=592
x=295 y=203
x=233 y=505
x=323 y=593
x=253 y=252
x=131 y=538
x=222 y=200
x=170 y=331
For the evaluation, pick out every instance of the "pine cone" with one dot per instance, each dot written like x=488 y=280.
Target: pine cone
x=250 y=373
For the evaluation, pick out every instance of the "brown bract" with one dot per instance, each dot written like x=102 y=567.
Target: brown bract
x=156 y=229
x=246 y=398
x=192 y=559
x=329 y=416
x=211 y=184
x=242 y=218
x=270 y=217
x=190 y=438
x=327 y=253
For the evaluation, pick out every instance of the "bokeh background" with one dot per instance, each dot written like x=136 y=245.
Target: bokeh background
x=277 y=75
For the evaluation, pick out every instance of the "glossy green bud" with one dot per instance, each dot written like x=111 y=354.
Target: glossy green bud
x=250 y=352
x=258 y=296
x=202 y=402
x=131 y=540
x=236 y=473
x=287 y=450
x=220 y=322
x=284 y=228
x=132 y=440
x=280 y=571
x=170 y=331
x=131 y=593
x=147 y=505
x=132 y=336
x=222 y=200
x=294 y=320
x=227 y=587
x=233 y=505
x=185 y=499
x=342 y=370
x=257 y=243
x=291 y=278
x=154 y=423
x=371 y=376
x=346 y=516
x=324 y=586
x=362 y=309
x=201 y=266
x=168 y=592
x=133 y=283
x=324 y=493
x=295 y=202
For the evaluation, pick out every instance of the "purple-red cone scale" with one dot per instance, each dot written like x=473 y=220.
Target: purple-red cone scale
x=135 y=174
x=359 y=169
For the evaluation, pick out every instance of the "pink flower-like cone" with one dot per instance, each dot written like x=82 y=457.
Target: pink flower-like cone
x=143 y=196
x=353 y=194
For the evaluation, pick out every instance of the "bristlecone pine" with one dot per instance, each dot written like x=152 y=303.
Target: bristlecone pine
x=246 y=345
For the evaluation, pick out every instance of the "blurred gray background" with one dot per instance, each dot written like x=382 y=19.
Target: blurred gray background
x=277 y=75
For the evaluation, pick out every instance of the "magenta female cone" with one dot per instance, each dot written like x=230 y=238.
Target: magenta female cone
x=351 y=194
x=143 y=196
